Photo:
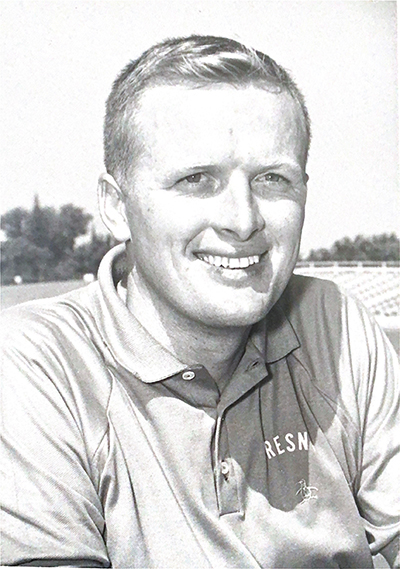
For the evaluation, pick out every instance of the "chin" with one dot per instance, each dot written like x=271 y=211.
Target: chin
x=223 y=318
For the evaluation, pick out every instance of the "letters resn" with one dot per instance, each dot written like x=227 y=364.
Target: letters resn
x=287 y=443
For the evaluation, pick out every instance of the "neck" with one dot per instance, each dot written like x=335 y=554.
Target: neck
x=217 y=349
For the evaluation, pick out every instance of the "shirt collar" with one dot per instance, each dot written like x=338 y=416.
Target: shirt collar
x=129 y=343
x=280 y=336
x=137 y=351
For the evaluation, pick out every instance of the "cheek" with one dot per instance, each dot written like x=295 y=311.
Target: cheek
x=142 y=217
x=158 y=228
x=284 y=220
x=294 y=225
x=142 y=230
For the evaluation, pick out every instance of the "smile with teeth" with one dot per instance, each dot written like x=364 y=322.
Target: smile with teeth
x=230 y=262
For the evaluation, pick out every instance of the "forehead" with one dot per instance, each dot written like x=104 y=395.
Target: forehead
x=207 y=121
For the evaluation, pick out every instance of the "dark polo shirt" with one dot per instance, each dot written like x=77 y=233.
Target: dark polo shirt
x=116 y=453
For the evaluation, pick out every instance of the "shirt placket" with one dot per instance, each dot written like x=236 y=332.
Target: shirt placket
x=225 y=475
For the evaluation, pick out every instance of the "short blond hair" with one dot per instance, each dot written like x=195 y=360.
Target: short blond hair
x=197 y=61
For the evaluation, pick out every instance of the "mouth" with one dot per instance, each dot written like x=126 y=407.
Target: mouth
x=232 y=263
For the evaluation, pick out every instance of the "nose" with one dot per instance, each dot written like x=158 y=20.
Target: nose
x=238 y=215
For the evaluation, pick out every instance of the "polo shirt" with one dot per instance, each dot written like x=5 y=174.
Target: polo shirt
x=115 y=453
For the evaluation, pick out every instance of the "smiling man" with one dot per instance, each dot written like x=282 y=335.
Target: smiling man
x=200 y=406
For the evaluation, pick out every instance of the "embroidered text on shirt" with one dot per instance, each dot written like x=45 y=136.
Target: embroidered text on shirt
x=291 y=446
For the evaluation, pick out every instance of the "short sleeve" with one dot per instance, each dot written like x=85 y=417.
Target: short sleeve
x=374 y=366
x=51 y=514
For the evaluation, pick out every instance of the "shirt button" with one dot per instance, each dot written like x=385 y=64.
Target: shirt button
x=253 y=365
x=188 y=375
x=225 y=469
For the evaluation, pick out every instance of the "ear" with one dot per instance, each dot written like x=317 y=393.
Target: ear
x=112 y=208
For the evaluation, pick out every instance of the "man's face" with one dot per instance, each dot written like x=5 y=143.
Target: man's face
x=215 y=201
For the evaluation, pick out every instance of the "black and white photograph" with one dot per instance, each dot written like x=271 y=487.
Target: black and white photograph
x=200 y=284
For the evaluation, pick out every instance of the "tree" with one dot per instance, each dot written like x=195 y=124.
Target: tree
x=22 y=257
x=12 y=222
x=71 y=222
x=382 y=248
x=40 y=242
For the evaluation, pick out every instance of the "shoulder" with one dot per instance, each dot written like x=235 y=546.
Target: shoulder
x=49 y=311
x=338 y=337
x=319 y=308
x=51 y=324
x=64 y=325
x=50 y=349
x=55 y=391
x=341 y=344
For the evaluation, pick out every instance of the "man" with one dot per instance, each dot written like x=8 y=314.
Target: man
x=198 y=406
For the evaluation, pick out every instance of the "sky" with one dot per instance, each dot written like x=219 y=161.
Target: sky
x=58 y=60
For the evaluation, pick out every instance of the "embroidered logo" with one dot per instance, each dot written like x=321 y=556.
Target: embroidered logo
x=307 y=493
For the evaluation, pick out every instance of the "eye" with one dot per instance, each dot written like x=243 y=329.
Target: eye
x=200 y=184
x=271 y=184
x=193 y=178
x=272 y=177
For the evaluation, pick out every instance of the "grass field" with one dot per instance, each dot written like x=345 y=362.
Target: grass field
x=15 y=294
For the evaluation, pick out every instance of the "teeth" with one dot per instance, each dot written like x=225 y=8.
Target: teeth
x=231 y=262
